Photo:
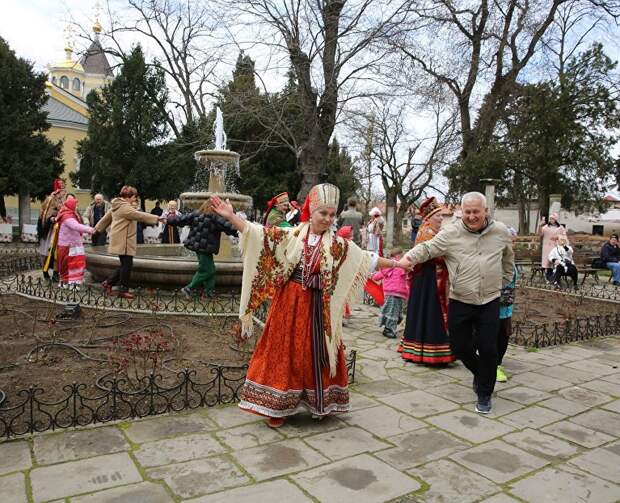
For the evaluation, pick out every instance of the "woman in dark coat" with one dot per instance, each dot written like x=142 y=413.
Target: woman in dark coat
x=204 y=239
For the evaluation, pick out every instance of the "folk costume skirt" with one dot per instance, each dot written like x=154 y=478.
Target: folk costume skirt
x=426 y=338
x=280 y=380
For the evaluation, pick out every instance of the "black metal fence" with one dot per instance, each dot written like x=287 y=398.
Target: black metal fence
x=600 y=291
x=112 y=398
x=537 y=335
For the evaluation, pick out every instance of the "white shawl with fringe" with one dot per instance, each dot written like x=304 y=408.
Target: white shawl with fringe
x=271 y=254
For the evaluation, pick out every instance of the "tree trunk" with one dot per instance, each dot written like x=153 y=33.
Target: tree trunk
x=401 y=211
x=24 y=209
x=312 y=164
x=522 y=209
x=390 y=214
x=2 y=207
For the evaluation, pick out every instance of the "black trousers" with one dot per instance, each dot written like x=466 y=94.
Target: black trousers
x=503 y=336
x=571 y=272
x=123 y=273
x=473 y=338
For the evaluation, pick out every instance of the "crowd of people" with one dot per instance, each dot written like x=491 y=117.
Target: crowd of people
x=454 y=288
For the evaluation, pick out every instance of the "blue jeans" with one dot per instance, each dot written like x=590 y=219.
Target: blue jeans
x=615 y=270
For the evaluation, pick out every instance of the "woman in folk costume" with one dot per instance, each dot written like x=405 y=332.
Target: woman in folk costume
x=426 y=330
x=277 y=209
x=70 y=250
x=309 y=274
x=374 y=232
x=47 y=229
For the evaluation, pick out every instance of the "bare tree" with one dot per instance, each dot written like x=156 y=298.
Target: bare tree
x=467 y=45
x=328 y=45
x=406 y=166
x=184 y=36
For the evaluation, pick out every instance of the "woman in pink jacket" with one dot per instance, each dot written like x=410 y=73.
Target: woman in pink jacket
x=70 y=251
x=396 y=291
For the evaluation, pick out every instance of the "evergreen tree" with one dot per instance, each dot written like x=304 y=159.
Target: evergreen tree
x=268 y=165
x=340 y=172
x=29 y=161
x=125 y=133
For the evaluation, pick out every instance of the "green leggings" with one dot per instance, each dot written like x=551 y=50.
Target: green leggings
x=205 y=275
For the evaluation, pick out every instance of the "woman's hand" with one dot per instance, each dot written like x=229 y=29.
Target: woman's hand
x=405 y=263
x=224 y=209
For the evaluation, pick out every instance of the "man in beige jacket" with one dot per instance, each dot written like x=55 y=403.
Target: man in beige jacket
x=478 y=254
x=124 y=218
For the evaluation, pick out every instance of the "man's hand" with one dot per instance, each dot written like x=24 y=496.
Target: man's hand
x=405 y=263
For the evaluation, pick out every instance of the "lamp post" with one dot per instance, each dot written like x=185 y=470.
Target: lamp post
x=489 y=193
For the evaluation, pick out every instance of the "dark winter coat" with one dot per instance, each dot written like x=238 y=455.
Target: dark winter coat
x=204 y=232
x=610 y=253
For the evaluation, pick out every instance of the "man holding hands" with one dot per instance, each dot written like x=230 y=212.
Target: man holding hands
x=478 y=253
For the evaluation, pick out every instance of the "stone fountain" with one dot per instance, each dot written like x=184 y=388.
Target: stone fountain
x=173 y=265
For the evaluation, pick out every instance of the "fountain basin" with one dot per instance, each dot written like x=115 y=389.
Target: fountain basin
x=168 y=266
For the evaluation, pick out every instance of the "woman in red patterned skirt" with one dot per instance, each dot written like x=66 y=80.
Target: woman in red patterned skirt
x=309 y=274
x=426 y=330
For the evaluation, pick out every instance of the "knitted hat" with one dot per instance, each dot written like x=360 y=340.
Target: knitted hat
x=429 y=207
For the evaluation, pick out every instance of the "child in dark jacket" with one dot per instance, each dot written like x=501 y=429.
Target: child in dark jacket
x=205 y=230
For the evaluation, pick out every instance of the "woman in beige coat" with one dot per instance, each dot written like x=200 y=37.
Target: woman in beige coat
x=124 y=218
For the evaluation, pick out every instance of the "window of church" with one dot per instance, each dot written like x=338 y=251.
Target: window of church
x=64 y=82
x=76 y=84
x=53 y=80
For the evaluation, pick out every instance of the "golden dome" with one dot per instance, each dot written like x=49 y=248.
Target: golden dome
x=97 y=27
x=68 y=63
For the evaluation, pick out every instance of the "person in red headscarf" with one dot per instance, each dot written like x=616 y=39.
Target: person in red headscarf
x=426 y=338
x=308 y=273
x=277 y=207
x=70 y=250
x=47 y=230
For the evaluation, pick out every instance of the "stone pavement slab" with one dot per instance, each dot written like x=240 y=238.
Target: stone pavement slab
x=533 y=380
x=147 y=492
x=177 y=450
x=381 y=389
x=272 y=460
x=382 y=421
x=249 y=435
x=604 y=386
x=613 y=406
x=357 y=479
x=541 y=444
x=500 y=498
x=345 y=442
x=13 y=488
x=451 y=482
x=554 y=484
x=454 y=392
x=532 y=417
x=499 y=461
x=524 y=395
x=426 y=380
x=567 y=374
x=71 y=445
x=420 y=446
x=274 y=491
x=584 y=396
x=359 y=401
x=14 y=456
x=564 y=406
x=600 y=420
x=84 y=476
x=303 y=425
x=471 y=426
x=603 y=462
x=168 y=426
x=419 y=403
x=578 y=434
x=200 y=476
x=227 y=417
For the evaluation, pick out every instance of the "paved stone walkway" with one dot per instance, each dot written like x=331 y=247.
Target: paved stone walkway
x=412 y=435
